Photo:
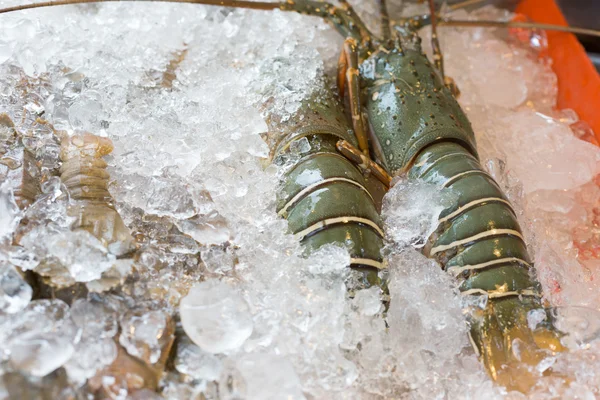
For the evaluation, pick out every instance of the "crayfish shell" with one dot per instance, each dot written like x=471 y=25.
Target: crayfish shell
x=84 y=174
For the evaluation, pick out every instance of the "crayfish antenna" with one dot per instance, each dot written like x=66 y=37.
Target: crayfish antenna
x=343 y=18
x=464 y=4
x=517 y=24
x=255 y=5
x=384 y=18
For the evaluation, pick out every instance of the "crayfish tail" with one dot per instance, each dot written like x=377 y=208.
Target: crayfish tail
x=511 y=350
x=84 y=174
x=324 y=196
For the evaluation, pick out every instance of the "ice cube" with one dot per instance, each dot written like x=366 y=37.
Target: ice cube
x=143 y=333
x=260 y=376
x=9 y=212
x=198 y=364
x=411 y=210
x=216 y=317
x=41 y=338
x=81 y=253
x=15 y=293
x=368 y=301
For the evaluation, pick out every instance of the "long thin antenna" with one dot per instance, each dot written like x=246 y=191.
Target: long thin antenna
x=255 y=5
x=289 y=6
x=343 y=18
x=364 y=31
x=515 y=24
x=384 y=20
x=438 y=58
x=465 y=3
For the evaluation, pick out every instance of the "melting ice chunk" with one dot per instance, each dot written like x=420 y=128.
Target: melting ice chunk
x=411 y=210
x=329 y=259
x=193 y=361
x=85 y=113
x=567 y=164
x=300 y=146
x=368 y=301
x=41 y=338
x=81 y=253
x=15 y=293
x=582 y=325
x=94 y=318
x=216 y=317
x=9 y=212
x=141 y=332
x=206 y=229
x=97 y=348
x=423 y=311
x=535 y=317
x=218 y=260
x=92 y=354
x=260 y=377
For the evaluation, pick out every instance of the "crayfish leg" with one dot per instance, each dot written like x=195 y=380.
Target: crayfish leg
x=348 y=78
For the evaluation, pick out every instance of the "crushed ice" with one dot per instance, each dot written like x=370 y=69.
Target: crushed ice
x=180 y=91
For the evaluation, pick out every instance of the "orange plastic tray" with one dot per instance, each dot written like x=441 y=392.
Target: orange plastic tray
x=578 y=80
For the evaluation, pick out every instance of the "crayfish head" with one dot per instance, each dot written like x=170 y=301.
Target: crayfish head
x=513 y=352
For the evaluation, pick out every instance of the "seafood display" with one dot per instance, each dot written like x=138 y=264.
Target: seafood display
x=172 y=253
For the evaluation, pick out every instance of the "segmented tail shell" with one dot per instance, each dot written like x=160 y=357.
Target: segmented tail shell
x=324 y=197
x=84 y=174
x=478 y=239
x=26 y=194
